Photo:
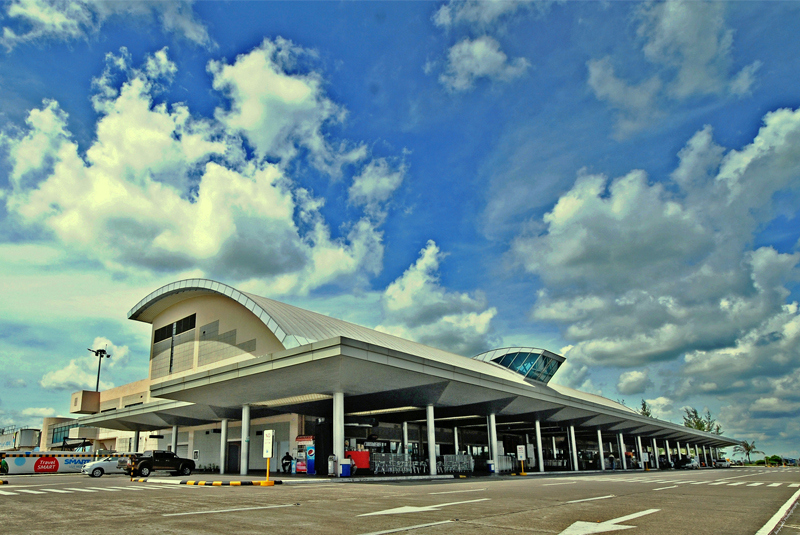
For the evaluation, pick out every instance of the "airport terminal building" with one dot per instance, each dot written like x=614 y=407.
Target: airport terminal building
x=225 y=366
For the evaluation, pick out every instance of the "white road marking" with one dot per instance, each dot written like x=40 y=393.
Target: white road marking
x=718 y=483
x=422 y=509
x=6 y=493
x=126 y=488
x=586 y=528
x=566 y=483
x=456 y=491
x=755 y=484
x=777 y=517
x=79 y=490
x=104 y=488
x=592 y=499
x=794 y=485
x=774 y=485
x=58 y=491
x=232 y=510
x=699 y=482
x=736 y=484
x=407 y=528
x=665 y=488
x=30 y=491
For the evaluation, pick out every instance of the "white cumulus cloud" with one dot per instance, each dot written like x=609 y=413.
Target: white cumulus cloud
x=68 y=20
x=689 y=46
x=639 y=271
x=416 y=306
x=163 y=189
x=470 y=60
x=633 y=382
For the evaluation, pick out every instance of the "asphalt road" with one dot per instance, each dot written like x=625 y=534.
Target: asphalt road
x=723 y=501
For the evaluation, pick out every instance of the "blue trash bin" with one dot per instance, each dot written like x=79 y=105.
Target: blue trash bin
x=346 y=470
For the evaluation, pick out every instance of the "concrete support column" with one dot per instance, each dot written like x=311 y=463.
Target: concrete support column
x=455 y=439
x=493 y=441
x=666 y=449
x=574 y=448
x=678 y=447
x=405 y=438
x=655 y=453
x=223 y=445
x=639 y=445
x=554 y=446
x=338 y=429
x=244 y=464
x=135 y=441
x=175 y=439
x=705 y=457
x=622 y=452
x=431 y=439
x=600 y=450
x=539 y=453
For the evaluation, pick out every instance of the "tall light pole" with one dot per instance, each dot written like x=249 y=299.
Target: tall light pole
x=100 y=354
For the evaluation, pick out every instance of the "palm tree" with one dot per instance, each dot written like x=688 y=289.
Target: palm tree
x=747 y=448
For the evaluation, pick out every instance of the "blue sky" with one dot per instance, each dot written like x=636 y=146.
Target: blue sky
x=616 y=182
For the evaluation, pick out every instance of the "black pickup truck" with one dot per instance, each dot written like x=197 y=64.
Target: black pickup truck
x=143 y=464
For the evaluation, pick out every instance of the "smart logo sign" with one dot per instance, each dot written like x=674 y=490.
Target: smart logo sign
x=45 y=465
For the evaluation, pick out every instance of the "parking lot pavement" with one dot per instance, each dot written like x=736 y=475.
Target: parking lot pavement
x=668 y=502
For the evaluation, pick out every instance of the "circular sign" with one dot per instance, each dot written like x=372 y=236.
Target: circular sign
x=310 y=452
x=45 y=464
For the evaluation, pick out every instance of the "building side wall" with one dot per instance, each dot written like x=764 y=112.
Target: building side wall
x=224 y=331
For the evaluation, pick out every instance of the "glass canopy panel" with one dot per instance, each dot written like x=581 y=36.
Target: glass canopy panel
x=523 y=365
x=506 y=359
x=518 y=361
x=536 y=367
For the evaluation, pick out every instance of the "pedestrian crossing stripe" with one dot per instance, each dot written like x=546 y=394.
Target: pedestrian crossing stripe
x=70 y=490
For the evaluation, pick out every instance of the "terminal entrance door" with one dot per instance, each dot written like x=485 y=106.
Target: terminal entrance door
x=233 y=458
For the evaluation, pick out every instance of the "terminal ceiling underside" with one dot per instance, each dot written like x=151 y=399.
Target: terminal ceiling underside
x=386 y=386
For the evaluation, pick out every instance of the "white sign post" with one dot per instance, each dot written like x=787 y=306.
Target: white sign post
x=521 y=458
x=268 y=438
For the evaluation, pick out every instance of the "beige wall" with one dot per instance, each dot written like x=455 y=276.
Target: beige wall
x=231 y=316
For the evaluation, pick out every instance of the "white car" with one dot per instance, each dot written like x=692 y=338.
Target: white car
x=106 y=465
x=722 y=463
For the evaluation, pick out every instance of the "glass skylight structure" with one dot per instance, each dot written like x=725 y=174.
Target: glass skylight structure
x=534 y=364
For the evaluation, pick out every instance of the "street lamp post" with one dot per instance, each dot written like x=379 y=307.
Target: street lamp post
x=100 y=353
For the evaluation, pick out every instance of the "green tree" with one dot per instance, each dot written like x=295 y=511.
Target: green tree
x=704 y=423
x=746 y=448
x=645 y=410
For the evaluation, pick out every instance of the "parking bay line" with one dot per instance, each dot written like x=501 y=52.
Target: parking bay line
x=457 y=491
x=57 y=491
x=30 y=491
x=592 y=499
x=79 y=490
x=408 y=528
x=665 y=488
x=232 y=510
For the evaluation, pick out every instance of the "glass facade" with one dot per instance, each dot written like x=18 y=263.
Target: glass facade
x=534 y=364
x=61 y=432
